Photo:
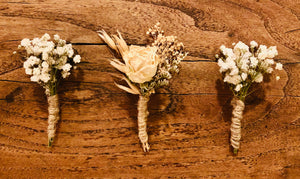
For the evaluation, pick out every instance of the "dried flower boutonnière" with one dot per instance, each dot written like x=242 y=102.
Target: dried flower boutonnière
x=243 y=66
x=48 y=62
x=146 y=68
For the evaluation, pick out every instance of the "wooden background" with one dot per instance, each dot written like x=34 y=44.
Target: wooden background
x=189 y=121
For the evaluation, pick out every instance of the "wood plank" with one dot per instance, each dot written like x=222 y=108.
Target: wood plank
x=218 y=28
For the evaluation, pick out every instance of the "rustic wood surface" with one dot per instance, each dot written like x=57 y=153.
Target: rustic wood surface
x=189 y=121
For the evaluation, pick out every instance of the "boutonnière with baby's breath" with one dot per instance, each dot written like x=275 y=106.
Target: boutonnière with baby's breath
x=242 y=66
x=146 y=68
x=48 y=62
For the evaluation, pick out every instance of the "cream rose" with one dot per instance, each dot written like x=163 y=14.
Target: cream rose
x=141 y=63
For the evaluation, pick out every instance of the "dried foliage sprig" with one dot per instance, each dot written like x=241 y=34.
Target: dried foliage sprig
x=48 y=62
x=242 y=66
x=146 y=68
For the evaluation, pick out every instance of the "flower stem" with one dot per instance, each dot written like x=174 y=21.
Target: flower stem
x=235 y=151
x=235 y=128
x=142 y=121
x=53 y=110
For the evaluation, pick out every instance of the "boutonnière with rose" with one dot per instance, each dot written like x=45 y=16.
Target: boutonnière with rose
x=146 y=68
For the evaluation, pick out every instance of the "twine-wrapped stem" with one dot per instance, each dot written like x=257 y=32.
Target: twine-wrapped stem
x=142 y=121
x=53 y=110
x=237 y=116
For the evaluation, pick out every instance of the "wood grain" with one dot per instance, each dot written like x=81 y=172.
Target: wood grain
x=189 y=121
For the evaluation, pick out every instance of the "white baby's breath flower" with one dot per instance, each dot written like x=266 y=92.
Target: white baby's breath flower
x=36 y=71
x=223 y=65
x=65 y=74
x=25 y=42
x=35 y=41
x=234 y=71
x=238 y=87
x=56 y=37
x=67 y=67
x=253 y=44
x=262 y=48
x=33 y=60
x=228 y=52
x=263 y=65
x=269 y=70
x=26 y=64
x=61 y=43
x=45 y=37
x=269 y=61
x=34 y=78
x=49 y=47
x=252 y=72
x=261 y=56
x=45 y=77
x=259 y=78
x=240 y=46
x=69 y=50
x=253 y=62
x=51 y=60
x=262 y=52
x=28 y=71
x=236 y=79
x=29 y=49
x=59 y=51
x=244 y=76
x=278 y=66
x=277 y=78
x=244 y=65
x=222 y=48
x=77 y=59
x=45 y=56
x=61 y=61
x=70 y=53
x=231 y=63
x=37 y=50
x=45 y=64
x=272 y=52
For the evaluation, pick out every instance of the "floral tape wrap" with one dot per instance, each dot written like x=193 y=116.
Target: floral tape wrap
x=53 y=117
x=237 y=116
x=142 y=119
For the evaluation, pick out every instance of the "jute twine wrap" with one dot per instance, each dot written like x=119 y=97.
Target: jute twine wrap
x=237 y=116
x=53 y=117
x=142 y=121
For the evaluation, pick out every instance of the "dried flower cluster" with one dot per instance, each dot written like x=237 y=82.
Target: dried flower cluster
x=242 y=66
x=47 y=62
x=171 y=52
x=146 y=68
